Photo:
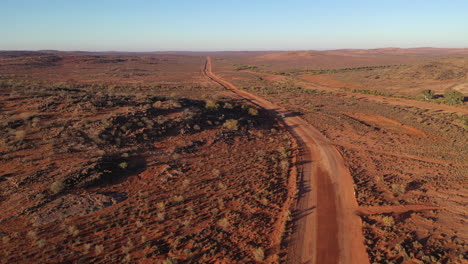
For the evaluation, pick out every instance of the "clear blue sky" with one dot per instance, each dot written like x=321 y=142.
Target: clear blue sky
x=144 y=25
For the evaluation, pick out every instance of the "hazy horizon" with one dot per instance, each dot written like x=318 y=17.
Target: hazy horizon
x=202 y=26
x=214 y=51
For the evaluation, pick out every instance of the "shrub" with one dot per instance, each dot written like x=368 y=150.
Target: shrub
x=428 y=94
x=224 y=223
x=98 y=249
x=399 y=188
x=19 y=135
x=258 y=254
x=175 y=104
x=57 y=187
x=161 y=205
x=231 y=124
x=5 y=239
x=86 y=248
x=35 y=121
x=388 y=221
x=168 y=261
x=72 y=230
x=139 y=224
x=253 y=111
x=222 y=186
x=453 y=97
x=161 y=216
x=210 y=104
x=216 y=172
x=157 y=104
x=465 y=124
x=178 y=198
x=283 y=152
x=41 y=243
x=123 y=165
x=228 y=106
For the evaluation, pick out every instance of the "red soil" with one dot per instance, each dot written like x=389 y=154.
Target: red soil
x=329 y=231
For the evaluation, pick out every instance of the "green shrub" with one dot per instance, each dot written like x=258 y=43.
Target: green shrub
x=123 y=165
x=453 y=97
x=428 y=94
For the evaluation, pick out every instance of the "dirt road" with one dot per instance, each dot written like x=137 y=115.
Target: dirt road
x=327 y=228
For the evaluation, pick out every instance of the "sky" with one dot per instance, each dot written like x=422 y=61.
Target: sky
x=221 y=25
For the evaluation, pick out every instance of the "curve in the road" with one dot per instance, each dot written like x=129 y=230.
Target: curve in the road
x=327 y=228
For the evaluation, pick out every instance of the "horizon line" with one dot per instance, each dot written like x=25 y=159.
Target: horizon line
x=197 y=51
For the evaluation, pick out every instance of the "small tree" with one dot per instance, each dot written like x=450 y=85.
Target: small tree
x=428 y=94
x=453 y=97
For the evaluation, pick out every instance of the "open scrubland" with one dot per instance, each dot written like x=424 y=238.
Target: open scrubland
x=140 y=158
x=408 y=156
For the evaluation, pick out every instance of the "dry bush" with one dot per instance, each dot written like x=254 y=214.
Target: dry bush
x=57 y=187
x=211 y=105
x=388 y=221
x=259 y=254
x=231 y=124
x=19 y=135
x=99 y=249
x=453 y=97
x=253 y=111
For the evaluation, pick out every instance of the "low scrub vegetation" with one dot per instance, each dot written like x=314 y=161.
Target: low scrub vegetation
x=453 y=97
x=128 y=176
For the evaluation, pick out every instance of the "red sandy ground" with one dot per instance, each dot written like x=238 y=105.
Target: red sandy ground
x=181 y=187
x=405 y=157
x=329 y=231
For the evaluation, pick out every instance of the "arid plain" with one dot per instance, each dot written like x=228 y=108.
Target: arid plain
x=350 y=156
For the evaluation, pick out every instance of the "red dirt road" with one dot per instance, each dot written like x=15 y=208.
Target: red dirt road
x=327 y=228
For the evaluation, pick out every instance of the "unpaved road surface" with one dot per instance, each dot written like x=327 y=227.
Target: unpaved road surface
x=327 y=228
